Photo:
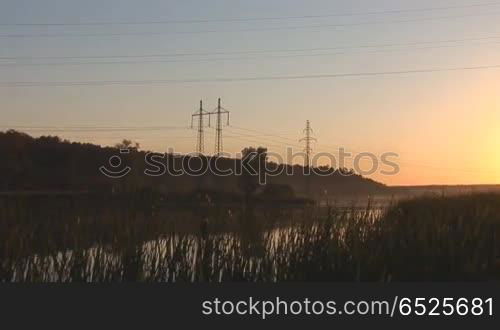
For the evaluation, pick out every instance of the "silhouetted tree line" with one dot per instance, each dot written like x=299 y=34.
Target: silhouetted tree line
x=50 y=163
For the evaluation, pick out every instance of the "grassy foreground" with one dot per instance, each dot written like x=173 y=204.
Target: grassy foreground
x=430 y=238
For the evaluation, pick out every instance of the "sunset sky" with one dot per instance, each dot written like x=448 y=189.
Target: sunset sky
x=444 y=124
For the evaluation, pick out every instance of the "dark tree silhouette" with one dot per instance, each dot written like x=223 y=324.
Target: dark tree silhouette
x=51 y=163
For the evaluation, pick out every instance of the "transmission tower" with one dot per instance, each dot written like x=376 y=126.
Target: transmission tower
x=308 y=139
x=200 y=141
x=220 y=111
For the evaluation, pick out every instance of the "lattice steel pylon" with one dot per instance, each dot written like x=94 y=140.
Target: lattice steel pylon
x=220 y=111
x=200 y=141
x=308 y=139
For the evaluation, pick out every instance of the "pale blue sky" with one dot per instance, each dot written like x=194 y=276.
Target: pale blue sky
x=428 y=118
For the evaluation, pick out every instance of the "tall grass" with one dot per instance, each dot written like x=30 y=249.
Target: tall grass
x=430 y=238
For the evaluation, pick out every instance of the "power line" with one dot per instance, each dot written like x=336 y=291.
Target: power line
x=293 y=140
x=290 y=140
x=238 y=79
x=224 y=59
x=250 y=19
x=92 y=129
x=292 y=50
x=237 y=136
x=105 y=129
x=284 y=28
x=144 y=130
x=261 y=142
x=263 y=134
x=266 y=141
x=411 y=163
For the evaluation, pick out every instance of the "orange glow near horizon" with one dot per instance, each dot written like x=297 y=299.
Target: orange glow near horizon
x=432 y=97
